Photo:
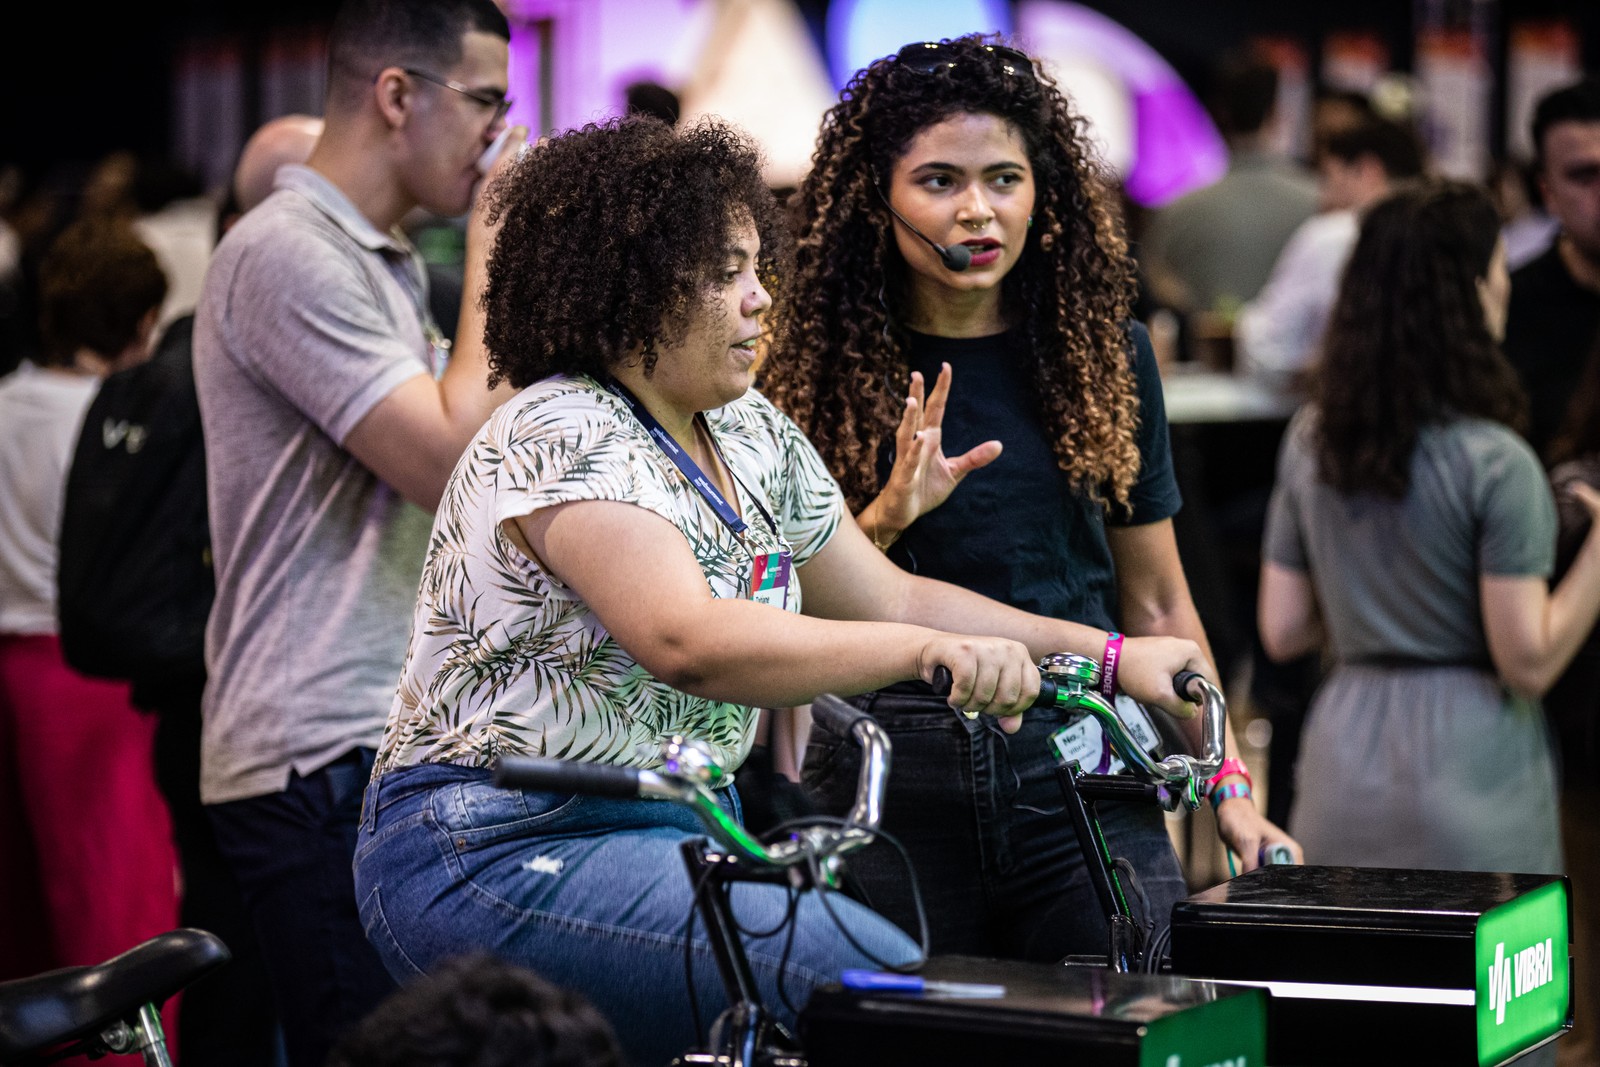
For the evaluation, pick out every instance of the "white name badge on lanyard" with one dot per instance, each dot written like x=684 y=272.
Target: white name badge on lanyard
x=1084 y=740
x=769 y=579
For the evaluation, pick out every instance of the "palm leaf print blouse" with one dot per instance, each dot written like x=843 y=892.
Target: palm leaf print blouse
x=506 y=660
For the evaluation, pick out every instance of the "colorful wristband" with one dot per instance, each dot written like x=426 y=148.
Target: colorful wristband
x=1229 y=766
x=1228 y=792
x=1108 y=665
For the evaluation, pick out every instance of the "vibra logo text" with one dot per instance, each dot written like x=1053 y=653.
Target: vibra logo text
x=1524 y=972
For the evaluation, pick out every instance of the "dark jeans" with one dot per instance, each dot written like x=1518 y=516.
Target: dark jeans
x=292 y=853
x=226 y=1019
x=983 y=820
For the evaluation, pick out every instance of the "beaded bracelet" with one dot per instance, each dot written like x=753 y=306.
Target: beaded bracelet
x=1108 y=665
x=1228 y=792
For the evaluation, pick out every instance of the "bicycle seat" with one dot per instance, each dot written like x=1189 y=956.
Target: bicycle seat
x=48 y=1009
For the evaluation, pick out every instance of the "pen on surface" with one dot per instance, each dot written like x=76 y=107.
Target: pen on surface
x=885 y=981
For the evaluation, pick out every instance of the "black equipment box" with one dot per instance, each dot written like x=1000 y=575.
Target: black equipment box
x=1048 y=1013
x=1437 y=967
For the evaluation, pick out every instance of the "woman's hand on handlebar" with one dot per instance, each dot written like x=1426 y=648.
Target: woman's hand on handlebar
x=1248 y=833
x=1148 y=666
x=989 y=675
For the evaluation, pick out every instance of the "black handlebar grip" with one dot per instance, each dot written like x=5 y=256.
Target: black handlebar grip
x=836 y=714
x=566 y=776
x=942 y=683
x=1180 y=684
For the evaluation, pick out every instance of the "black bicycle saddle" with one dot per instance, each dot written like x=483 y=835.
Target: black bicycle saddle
x=45 y=1010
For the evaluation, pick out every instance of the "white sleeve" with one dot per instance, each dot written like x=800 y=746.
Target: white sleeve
x=1280 y=329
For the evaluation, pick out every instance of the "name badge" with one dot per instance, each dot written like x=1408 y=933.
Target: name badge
x=769 y=580
x=1082 y=738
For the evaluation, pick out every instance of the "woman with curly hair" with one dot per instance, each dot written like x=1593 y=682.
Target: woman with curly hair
x=1414 y=531
x=622 y=555
x=1026 y=303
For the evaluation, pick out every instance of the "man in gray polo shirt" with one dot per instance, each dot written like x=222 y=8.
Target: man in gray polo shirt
x=332 y=420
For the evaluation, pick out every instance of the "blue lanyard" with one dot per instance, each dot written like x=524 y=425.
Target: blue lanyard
x=686 y=464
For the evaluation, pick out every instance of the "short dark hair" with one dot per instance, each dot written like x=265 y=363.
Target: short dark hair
x=97 y=283
x=612 y=236
x=1244 y=90
x=1578 y=102
x=369 y=35
x=1395 y=145
x=653 y=98
x=478 y=1010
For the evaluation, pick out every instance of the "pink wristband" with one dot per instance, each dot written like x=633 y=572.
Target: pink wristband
x=1108 y=666
x=1229 y=766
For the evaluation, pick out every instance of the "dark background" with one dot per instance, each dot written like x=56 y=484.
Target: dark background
x=92 y=78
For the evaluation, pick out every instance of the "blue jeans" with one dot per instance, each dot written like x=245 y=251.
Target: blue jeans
x=290 y=852
x=589 y=892
x=983 y=820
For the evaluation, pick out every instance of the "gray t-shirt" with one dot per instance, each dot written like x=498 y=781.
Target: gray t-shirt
x=1398 y=579
x=310 y=316
x=1221 y=241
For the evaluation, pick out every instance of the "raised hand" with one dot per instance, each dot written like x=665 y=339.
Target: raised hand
x=923 y=477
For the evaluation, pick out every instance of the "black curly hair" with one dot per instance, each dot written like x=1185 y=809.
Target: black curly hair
x=479 y=1010
x=1408 y=342
x=837 y=364
x=612 y=237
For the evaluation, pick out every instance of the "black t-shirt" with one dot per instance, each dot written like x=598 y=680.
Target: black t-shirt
x=1015 y=530
x=1551 y=327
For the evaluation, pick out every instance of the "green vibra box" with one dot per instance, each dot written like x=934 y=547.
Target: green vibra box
x=1038 y=1014
x=1467 y=968
x=1524 y=975
x=1229 y=1032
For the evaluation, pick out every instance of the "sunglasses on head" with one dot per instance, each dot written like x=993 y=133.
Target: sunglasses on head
x=934 y=57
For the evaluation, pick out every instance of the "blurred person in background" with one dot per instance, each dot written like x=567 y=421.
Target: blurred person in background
x=89 y=859
x=1412 y=535
x=135 y=572
x=1573 y=707
x=1278 y=332
x=1555 y=298
x=1335 y=110
x=1528 y=228
x=1212 y=249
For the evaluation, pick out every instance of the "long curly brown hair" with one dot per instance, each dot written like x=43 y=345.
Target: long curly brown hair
x=838 y=359
x=612 y=236
x=1408 y=343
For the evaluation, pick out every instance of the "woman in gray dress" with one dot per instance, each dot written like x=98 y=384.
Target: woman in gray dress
x=1413 y=531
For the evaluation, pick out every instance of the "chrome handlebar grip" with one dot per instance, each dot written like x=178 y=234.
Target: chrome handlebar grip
x=1077 y=680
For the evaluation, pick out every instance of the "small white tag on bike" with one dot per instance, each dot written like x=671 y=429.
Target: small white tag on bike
x=1083 y=740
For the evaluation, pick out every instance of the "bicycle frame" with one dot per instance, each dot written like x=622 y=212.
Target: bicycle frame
x=746 y=1033
x=1169 y=782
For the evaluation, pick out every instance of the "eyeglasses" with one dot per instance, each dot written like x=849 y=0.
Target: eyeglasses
x=934 y=57
x=500 y=103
